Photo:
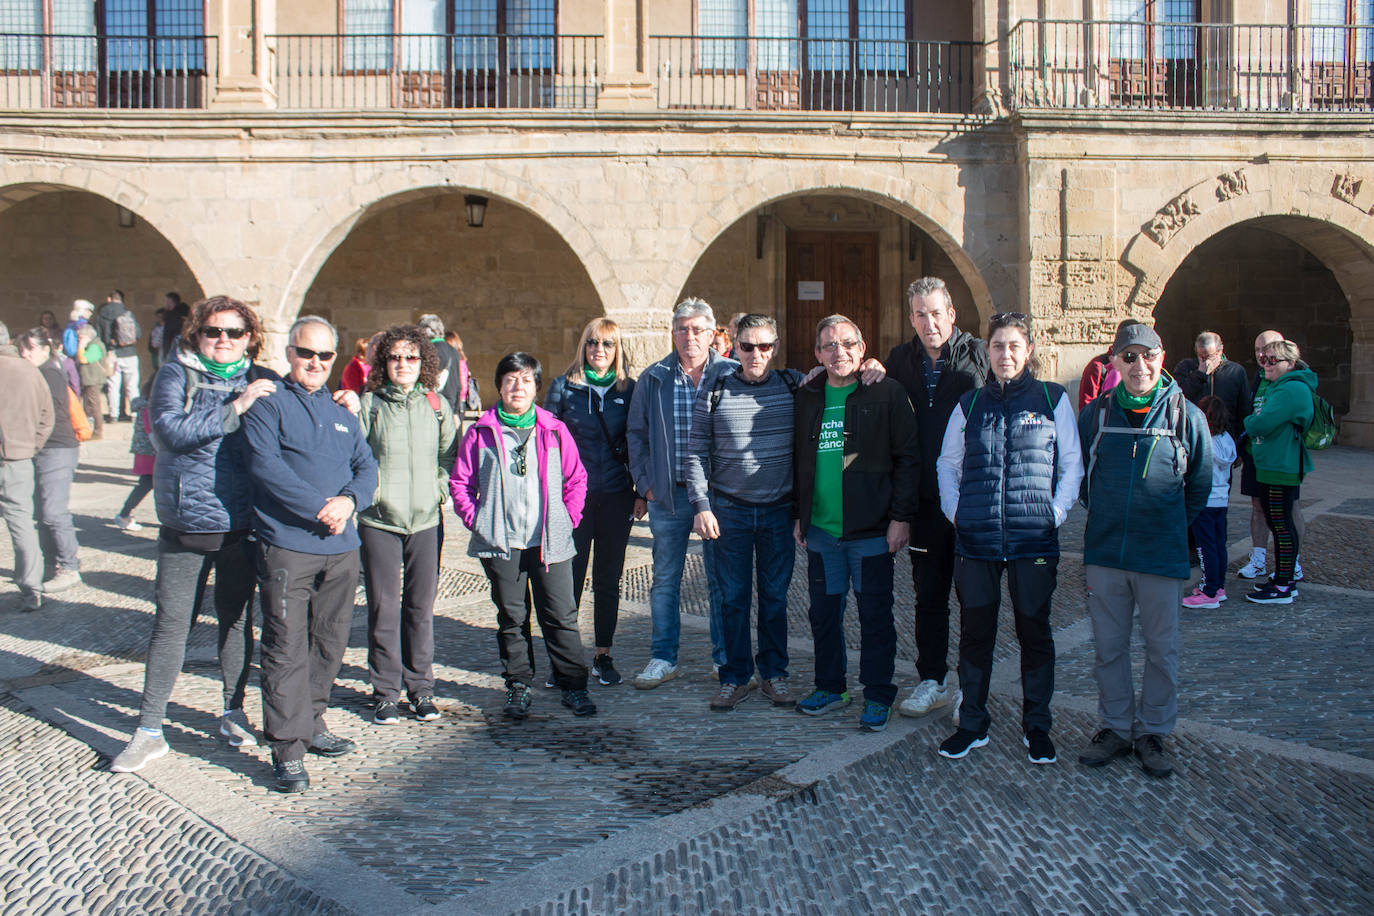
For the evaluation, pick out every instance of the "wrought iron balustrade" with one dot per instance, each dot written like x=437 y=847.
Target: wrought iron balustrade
x=106 y=71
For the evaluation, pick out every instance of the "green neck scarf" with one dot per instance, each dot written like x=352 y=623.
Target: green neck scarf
x=223 y=370
x=595 y=378
x=523 y=421
x=1127 y=401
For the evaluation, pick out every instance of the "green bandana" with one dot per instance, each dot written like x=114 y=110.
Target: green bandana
x=223 y=370
x=594 y=378
x=523 y=421
x=1127 y=401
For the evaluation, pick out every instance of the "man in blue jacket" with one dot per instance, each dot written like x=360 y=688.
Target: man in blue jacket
x=1148 y=456
x=312 y=470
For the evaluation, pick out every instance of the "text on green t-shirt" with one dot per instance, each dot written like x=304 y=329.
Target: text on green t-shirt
x=827 y=501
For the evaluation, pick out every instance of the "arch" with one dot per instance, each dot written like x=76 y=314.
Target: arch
x=914 y=202
x=333 y=223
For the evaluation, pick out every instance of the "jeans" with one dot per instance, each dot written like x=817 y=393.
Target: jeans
x=605 y=526
x=124 y=382
x=671 y=529
x=307 y=609
x=1113 y=597
x=747 y=532
x=16 y=505
x=53 y=470
x=832 y=564
x=511 y=580
x=1209 y=532
x=181 y=575
x=932 y=573
x=402 y=574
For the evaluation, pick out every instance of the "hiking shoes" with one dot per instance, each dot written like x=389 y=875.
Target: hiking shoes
x=819 y=702
x=874 y=717
x=778 y=691
x=328 y=744
x=729 y=696
x=290 y=775
x=1150 y=753
x=1106 y=746
x=580 y=702
x=518 y=701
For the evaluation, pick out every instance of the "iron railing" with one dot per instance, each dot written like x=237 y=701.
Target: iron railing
x=104 y=71
x=1190 y=66
x=812 y=74
x=436 y=71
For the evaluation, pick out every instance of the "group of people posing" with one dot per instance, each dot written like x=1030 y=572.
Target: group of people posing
x=952 y=449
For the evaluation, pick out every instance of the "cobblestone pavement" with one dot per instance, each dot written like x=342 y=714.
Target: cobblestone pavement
x=657 y=805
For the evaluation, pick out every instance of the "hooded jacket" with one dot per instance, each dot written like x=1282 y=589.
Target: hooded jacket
x=414 y=446
x=1276 y=430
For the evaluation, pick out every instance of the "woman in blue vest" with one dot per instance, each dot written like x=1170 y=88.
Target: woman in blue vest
x=1009 y=471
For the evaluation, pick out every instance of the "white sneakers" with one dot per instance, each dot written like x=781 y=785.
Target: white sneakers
x=927 y=696
x=1255 y=568
x=127 y=523
x=234 y=726
x=655 y=673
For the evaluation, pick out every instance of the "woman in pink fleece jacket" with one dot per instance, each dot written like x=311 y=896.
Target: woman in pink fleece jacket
x=519 y=486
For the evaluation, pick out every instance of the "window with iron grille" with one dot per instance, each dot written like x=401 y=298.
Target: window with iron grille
x=1339 y=42
x=134 y=35
x=1129 y=36
x=482 y=33
x=864 y=35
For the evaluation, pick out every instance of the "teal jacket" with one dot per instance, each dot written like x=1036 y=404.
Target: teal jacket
x=415 y=445
x=1277 y=428
x=1146 y=486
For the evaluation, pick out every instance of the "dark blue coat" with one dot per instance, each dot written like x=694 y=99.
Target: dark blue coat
x=572 y=402
x=200 y=479
x=1006 y=492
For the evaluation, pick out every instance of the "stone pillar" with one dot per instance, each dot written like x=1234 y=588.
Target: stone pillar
x=246 y=71
x=627 y=85
x=1357 y=427
x=990 y=85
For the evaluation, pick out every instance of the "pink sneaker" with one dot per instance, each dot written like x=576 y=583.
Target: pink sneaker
x=1199 y=600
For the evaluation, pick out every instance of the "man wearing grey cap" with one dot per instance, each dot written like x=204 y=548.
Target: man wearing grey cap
x=1148 y=456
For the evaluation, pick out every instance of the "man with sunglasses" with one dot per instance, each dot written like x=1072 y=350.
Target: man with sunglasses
x=1148 y=455
x=312 y=470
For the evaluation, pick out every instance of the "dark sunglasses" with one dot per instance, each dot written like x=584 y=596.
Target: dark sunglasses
x=1010 y=316
x=605 y=344
x=1130 y=356
x=402 y=358
x=307 y=353
x=518 y=453
x=215 y=333
x=1272 y=360
x=751 y=347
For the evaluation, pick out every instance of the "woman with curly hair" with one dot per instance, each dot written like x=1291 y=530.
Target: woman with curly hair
x=204 y=500
x=411 y=431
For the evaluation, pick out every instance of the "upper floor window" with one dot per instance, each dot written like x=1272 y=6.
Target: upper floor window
x=1340 y=42
x=472 y=34
x=1154 y=37
x=840 y=34
x=115 y=36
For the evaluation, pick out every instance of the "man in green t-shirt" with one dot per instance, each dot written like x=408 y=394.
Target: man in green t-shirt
x=857 y=466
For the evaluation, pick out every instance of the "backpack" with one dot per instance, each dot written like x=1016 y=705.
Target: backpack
x=1321 y=432
x=434 y=405
x=1177 y=420
x=719 y=387
x=125 y=330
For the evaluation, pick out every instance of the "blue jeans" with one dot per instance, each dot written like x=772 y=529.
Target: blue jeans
x=746 y=532
x=832 y=565
x=671 y=529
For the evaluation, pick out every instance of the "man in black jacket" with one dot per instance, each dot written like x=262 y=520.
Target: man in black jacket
x=1211 y=373
x=122 y=387
x=936 y=367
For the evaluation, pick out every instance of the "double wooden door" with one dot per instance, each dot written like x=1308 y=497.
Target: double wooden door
x=829 y=273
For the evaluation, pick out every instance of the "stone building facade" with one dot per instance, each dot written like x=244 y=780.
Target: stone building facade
x=1197 y=171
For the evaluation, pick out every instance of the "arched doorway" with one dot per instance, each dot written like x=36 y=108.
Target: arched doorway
x=511 y=283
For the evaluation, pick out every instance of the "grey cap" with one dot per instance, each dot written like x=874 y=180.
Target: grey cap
x=1136 y=335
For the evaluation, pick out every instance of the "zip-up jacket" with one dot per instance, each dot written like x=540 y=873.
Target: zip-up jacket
x=477 y=486
x=1010 y=469
x=414 y=446
x=303 y=450
x=1230 y=382
x=26 y=411
x=577 y=405
x=1277 y=428
x=1141 y=499
x=882 y=460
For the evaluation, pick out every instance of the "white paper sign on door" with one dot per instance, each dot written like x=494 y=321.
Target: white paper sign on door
x=810 y=290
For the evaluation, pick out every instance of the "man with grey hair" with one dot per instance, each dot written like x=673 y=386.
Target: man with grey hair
x=658 y=432
x=1211 y=373
x=449 y=381
x=313 y=470
x=26 y=416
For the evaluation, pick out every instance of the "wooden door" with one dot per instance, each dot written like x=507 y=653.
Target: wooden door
x=829 y=273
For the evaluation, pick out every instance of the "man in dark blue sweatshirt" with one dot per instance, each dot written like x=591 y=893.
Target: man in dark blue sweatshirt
x=312 y=470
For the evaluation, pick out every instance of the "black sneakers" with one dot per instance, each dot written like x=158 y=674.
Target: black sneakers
x=580 y=702
x=328 y=744
x=1039 y=747
x=424 y=708
x=1106 y=746
x=517 y=702
x=1273 y=594
x=604 y=671
x=957 y=745
x=290 y=775
x=1149 y=750
x=386 y=713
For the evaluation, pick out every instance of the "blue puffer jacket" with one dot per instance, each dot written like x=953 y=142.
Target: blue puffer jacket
x=1006 y=492
x=200 y=480
x=572 y=402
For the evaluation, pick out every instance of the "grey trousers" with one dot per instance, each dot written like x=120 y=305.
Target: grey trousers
x=54 y=469
x=16 y=505
x=1113 y=596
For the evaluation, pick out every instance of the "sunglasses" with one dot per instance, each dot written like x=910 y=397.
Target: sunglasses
x=751 y=347
x=1011 y=316
x=604 y=344
x=1130 y=356
x=402 y=358
x=850 y=344
x=1272 y=360
x=518 y=453
x=306 y=353
x=215 y=333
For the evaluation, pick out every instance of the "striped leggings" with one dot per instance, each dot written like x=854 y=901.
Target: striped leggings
x=1278 y=513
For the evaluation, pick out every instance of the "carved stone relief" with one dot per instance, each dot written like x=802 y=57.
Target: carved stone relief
x=1232 y=184
x=1172 y=217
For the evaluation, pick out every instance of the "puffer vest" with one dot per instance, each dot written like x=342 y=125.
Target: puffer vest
x=1006 y=492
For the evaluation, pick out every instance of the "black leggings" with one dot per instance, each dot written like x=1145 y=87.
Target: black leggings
x=605 y=527
x=142 y=488
x=1277 y=501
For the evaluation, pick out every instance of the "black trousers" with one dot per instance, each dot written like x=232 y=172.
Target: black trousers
x=307 y=609
x=606 y=527
x=402 y=575
x=932 y=574
x=554 y=608
x=1031 y=583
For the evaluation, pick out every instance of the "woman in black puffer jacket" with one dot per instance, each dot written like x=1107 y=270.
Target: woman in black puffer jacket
x=593 y=400
x=204 y=502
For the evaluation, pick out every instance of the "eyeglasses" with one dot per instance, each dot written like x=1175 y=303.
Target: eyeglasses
x=1273 y=360
x=306 y=353
x=850 y=344
x=215 y=333
x=1011 y=316
x=518 y=453
x=751 y=347
x=1130 y=356
x=403 y=358
x=593 y=343
x=697 y=331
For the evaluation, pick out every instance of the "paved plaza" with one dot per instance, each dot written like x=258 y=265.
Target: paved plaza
x=657 y=805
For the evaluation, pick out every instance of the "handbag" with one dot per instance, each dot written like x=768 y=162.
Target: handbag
x=81 y=424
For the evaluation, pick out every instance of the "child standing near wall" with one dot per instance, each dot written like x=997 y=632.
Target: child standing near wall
x=1209 y=528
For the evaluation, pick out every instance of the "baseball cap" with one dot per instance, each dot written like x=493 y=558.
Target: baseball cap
x=1136 y=335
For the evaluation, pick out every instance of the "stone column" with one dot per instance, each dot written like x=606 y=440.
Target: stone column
x=1357 y=427
x=244 y=60
x=627 y=85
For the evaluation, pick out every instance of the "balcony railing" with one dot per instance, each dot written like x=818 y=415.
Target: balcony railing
x=436 y=71
x=1191 y=66
x=813 y=74
x=102 y=71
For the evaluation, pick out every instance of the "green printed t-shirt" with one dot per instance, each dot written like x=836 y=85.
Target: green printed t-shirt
x=827 y=501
